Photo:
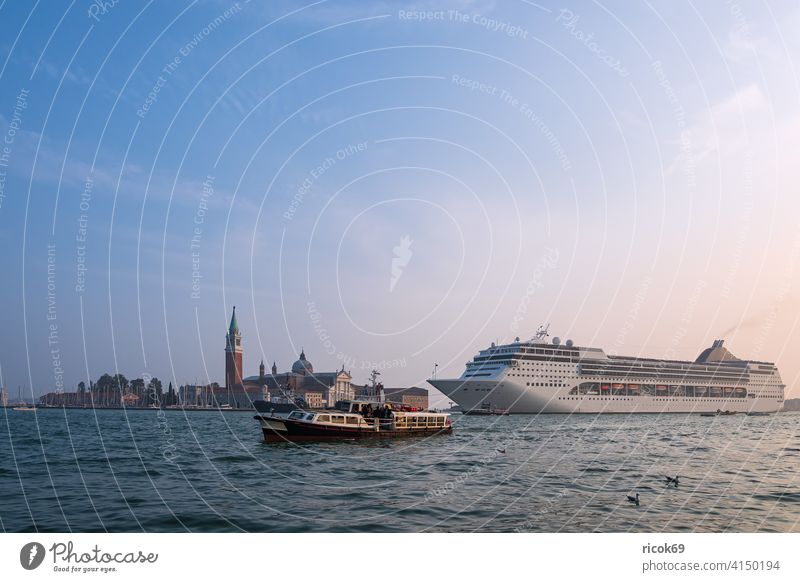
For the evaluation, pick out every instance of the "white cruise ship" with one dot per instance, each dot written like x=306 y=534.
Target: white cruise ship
x=531 y=377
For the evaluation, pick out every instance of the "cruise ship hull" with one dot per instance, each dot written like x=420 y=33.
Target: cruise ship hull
x=516 y=399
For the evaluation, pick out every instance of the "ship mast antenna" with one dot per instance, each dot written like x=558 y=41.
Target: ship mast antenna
x=373 y=377
x=541 y=332
x=377 y=389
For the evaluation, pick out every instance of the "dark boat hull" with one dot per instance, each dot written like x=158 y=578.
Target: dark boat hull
x=282 y=430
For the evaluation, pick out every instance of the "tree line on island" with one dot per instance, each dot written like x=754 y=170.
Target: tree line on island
x=117 y=390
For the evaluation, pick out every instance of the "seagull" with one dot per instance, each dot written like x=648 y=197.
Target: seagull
x=501 y=451
x=634 y=500
x=672 y=480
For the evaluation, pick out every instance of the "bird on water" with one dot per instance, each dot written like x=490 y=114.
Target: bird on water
x=634 y=499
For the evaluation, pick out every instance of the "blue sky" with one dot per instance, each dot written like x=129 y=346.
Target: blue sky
x=626 y=172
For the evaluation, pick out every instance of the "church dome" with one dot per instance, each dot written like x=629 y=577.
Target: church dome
x=302 y=366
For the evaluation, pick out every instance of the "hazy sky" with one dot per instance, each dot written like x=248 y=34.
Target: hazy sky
x=393 y=184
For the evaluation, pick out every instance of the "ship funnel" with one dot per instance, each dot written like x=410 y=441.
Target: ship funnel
x=716 y=353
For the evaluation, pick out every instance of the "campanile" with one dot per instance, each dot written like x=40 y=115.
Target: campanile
x=233 y=354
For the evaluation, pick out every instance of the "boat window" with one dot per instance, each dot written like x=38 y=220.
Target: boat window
x=323 y=418
x=352 y=420
x=310 y=416
x=337 y=419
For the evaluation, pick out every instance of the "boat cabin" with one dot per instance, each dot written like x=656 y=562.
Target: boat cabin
x=357 y=415
x=353 y=419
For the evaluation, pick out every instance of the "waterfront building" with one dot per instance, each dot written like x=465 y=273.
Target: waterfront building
x=301 y=383
x=197 y=395
x=317 y=389
x=131 y=400
x=413 y=397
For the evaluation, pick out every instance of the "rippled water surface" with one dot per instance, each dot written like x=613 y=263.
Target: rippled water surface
x=209 y=471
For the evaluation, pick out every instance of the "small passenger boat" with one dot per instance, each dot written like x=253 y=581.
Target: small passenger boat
x=352 y=420
x=719 y=413
x=487 y=411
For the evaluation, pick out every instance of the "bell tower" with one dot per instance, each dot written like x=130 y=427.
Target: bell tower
x=233 y=354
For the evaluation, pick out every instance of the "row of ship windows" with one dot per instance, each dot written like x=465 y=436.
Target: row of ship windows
x=719 y=382
x=651 y=390
x=654 y=399
x=666 y=377
x=620 y=389
x=693 y=368
x=530 y=366
x=662 y=370
x=718 y=376
x=618 y=367
x=667 y=397
x=555 y=376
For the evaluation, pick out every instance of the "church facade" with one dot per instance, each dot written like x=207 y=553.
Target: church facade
x=300 y=383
